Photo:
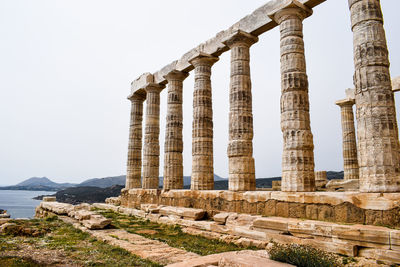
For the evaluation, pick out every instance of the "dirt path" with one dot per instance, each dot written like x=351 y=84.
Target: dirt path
x=143 y=247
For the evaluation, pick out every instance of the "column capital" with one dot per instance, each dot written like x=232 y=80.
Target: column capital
x=345 y=102
x=240 y=37
x=290 y=9
x=201 y=58
x=176 y=75
x=138 y=96
x=153 y=87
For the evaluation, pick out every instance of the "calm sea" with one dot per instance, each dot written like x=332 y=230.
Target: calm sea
x=19 y=203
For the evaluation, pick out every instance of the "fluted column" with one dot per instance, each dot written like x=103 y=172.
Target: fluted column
x=350 y=162
x=134 y=165
x=202 y=128
x=173 y=159
x=151 y=150
x=240 y=147
x=377 y=132
x=298 y=148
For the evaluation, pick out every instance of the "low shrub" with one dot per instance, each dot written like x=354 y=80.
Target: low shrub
x=303 y=256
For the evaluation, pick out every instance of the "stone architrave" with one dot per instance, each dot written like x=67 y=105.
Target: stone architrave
x=377 y=132
x=151 y=149
x=173 y=159
x=298 y=148
x=240 y=147
x=134 y=166
x=202 y=128
x=350 y=162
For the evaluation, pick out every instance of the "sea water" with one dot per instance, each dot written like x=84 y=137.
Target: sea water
x=19 y=203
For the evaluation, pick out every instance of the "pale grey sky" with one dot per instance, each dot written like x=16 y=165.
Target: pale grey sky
x=66 y=68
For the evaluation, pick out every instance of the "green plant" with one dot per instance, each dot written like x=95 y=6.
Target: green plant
x=303 y=256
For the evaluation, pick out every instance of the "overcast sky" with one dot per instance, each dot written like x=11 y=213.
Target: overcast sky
x=66 y=68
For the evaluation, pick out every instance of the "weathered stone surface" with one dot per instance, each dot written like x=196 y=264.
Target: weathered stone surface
x=320 y=179
x=49 y=199
x=276 y=185
x=4 y=220
x=114 y=200
x=173 y=147
x=249 y=260
x=83 y=215
x=96 y=222
x=202 y=177
x=151 y=149
x=377 y=130
x=57 y=207
x=274 y=223
x=240 y=147
x=365 y=235
x=298 y=147
x=189 y=213
x=388 y=256
x=343 y=185
x=221 y=217
x=349 y=143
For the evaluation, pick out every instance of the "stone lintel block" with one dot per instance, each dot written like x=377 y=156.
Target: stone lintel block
x=289 y=4
x=201 y=55
x=343 y=248
x=140 y=82
x=159 y=76
x=387 y=256
x=396 y=84
x=194 y=214
x=240 y=36
x=256 y=23
x=221 y=217
x=244 y=231
x=274 y=223
x=316 y=228
x=364 y=235
x=395 y=240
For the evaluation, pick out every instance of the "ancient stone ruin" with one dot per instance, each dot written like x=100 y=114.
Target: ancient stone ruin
x=370 y=191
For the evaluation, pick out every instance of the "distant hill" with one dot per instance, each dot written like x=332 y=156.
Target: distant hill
x=38 y=184
x=104 y=182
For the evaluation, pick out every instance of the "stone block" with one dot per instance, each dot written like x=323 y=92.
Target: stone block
x=235 y=219
x=113 y=201
x=246 y=260
x=270 y=208
x=188 y=213
x=395 y=240
x=246 y=232
x=4 y=220
x=297 y=210
x=387 y=256
x=312 y=212
x=349 y=213
x=150 y=208
x=96 y=222
x=374 y=217
x=364 y=235
x=220 y=218
x=83 y=215
x=326 y=213
x=57 y=207
x=316 y=228
x=282 y=209
x=49 y=199
x=343 y=248
x=273 y=223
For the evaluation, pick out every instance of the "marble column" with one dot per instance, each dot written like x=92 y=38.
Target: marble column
x=173 y=159
x=202 y=128
x=377 y=132
x=240 y=147
x=350 y=162
x=151 y=149
x=298 y=148
x=134 y=166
